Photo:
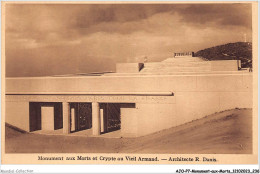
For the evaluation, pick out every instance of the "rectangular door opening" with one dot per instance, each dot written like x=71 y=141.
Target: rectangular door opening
x=45 y=116
x=80 y=116
x=110 y=116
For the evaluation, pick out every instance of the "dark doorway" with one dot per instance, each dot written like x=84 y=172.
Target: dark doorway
x=36 y=118
x=82 y=116
x=112 y=115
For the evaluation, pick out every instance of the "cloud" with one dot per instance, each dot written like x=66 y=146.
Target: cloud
x=85 y=38
x=221 y=14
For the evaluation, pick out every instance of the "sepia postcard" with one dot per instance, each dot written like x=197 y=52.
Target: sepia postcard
x=129 y=83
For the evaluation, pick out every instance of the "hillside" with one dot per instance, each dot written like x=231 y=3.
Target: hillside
x=231 y=51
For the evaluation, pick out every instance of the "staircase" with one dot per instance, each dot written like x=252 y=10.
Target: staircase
x=183 y=64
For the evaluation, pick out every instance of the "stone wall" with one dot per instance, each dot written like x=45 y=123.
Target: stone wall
x=195 y=96
x=150 y=83
x=17 y=114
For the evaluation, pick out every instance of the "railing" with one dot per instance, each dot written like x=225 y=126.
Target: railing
x=185 y=54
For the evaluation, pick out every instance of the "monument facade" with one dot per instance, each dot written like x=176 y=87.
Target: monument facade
x=138 y=99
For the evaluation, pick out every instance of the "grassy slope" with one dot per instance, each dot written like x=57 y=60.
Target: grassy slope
x=231 y=51
x=226 y=132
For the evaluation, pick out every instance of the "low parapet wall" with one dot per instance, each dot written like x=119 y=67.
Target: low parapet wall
x=150 y=83
x=129 y=67
x=225 y=65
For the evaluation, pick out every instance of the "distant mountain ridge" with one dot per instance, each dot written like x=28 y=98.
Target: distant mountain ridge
x=231 y=51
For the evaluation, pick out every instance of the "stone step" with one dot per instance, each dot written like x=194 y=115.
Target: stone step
x=178 y=73
x=184 y=59
x=176 y=69
x=178 y=65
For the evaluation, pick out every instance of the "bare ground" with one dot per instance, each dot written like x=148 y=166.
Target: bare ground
x=228 y=132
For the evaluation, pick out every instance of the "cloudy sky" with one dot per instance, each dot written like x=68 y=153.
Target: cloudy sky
x=48 y=39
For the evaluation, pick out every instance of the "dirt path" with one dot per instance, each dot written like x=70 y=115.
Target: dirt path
x=226 y=132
